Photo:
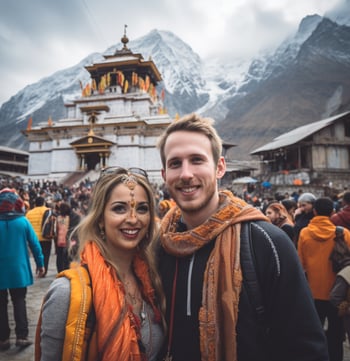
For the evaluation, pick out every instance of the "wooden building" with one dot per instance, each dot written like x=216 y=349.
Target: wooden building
x=316 y=154
x=13 y=162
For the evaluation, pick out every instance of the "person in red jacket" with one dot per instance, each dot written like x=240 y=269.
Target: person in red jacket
x=342 y=218
x=315 y=245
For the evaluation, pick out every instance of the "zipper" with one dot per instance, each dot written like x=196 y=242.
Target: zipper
x=189 y=283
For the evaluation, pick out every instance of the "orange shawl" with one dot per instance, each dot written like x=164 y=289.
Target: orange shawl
x=117 y=328
x=223 y=275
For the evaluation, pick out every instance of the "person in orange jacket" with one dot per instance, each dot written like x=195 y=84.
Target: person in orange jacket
x=315 y=245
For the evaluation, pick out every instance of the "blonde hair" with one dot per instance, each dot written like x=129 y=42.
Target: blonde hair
x=192 y=123
x=89 y=228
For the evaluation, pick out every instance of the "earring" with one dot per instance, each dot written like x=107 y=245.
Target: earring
x=102 y=234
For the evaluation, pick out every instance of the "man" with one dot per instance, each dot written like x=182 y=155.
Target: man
x=35 y=217
x=316 y=242
x=342 y=218
x=303 y=214
x=210 y=315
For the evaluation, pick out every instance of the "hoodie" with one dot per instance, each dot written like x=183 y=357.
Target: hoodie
x=315 y=245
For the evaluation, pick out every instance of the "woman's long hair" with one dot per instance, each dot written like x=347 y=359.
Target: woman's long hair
x=282 y=214
x=89 y=228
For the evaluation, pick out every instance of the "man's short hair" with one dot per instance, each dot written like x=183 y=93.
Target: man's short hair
x=346 y=197
x=307 y=197
x=192 y=123
x=324 y=206
x=39 y=201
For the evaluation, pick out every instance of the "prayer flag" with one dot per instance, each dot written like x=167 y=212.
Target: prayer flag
x=29 y=125
x=126 y=85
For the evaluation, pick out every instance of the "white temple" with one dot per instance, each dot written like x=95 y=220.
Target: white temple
x=116 y=122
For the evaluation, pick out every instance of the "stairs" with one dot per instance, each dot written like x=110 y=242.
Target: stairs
x=70 y=179
x=76 y=177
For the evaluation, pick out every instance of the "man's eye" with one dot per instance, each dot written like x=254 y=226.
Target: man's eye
x=197 y=160
x=174 y=164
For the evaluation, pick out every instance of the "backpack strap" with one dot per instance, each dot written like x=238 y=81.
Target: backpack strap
x=251 y=282
x=77 y=333
x=339 y=230
x=81 y=317
x=46 y=216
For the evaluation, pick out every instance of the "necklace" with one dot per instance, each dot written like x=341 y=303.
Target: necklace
x=133 y=295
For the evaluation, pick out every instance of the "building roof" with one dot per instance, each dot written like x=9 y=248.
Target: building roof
x=13 y=150
x=298 y=134
x=235 y=166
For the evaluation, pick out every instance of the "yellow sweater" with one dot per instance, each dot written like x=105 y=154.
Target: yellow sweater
x=35 y=217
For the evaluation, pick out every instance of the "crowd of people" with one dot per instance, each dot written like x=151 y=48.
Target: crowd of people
x=169 y=270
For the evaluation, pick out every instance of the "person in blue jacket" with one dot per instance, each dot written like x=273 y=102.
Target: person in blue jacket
x=16 y=235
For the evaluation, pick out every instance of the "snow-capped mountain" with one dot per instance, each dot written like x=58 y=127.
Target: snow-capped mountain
x=305 y=79
x=179 y=65
x=340 y=13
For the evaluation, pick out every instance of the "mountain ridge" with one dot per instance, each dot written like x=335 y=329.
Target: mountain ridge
x=304 y=79
x=313 y=86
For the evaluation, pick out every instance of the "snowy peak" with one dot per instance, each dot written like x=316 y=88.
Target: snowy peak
x=329 y=41
x=301 y=82
x=341 y=13
x=179 y=65
x=251 y=100
x=307 y=27
x=62 y=83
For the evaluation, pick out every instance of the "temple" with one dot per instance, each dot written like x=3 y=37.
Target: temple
x=115 y=122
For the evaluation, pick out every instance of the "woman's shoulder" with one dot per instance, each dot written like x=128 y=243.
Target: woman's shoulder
x=59 y=289
x=56 y=302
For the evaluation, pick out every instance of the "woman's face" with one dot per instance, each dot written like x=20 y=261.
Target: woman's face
x=272 y=214
x=126 y=217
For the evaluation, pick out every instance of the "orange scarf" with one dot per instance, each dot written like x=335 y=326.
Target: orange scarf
x=223 y=275
x=117 y=328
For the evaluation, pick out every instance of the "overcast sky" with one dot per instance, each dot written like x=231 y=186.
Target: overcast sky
x=39 y=37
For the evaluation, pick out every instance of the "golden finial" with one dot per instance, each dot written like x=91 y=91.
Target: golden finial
x=125 y=39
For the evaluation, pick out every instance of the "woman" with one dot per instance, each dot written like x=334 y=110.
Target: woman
x=279 y=217
x=63 y=224
x=116 y=238
x=67 y=220
x=290 y=205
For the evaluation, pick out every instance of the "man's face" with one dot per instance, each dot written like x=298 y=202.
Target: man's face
x=190 y=173
x=306 y=207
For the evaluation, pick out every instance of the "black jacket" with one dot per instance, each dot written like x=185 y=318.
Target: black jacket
x=301 y=221
x=291 y=330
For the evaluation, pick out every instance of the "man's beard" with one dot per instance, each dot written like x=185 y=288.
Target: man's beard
x=189 y=208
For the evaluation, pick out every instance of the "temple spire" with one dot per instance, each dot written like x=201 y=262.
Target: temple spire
x=125 y=39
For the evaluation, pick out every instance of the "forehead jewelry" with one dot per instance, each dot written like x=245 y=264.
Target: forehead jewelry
x=131 y=183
